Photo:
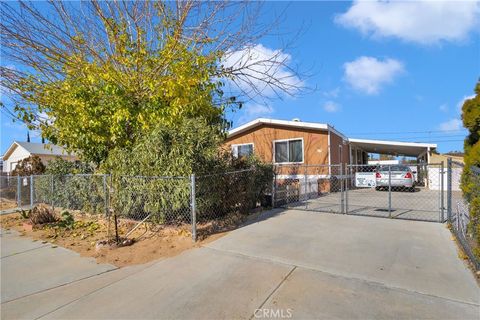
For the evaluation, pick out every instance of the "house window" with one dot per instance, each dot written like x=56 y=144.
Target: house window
x=288 y=151
x=242 y=150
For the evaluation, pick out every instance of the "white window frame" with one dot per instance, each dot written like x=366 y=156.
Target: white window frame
x=242 y=144
x=288 y=150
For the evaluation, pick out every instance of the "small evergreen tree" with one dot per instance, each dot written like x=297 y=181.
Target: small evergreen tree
x=470 y=180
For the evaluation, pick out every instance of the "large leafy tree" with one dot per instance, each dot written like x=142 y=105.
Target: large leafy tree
x=91 y=75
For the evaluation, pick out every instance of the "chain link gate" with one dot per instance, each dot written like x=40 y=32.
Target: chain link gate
x=411 y=191
x=415 y=191
x=310 y=187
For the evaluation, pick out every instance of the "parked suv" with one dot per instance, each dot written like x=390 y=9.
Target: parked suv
x=401 y=177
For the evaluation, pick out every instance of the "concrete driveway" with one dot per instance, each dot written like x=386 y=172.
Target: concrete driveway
x=295 y=264
x=423 y=204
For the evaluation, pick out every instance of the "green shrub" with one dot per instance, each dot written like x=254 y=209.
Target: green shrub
x=60 y=166
x=141 y=187
x=67 y=220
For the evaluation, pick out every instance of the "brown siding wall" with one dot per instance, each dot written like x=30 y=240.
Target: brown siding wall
x=315 y=142
x=315 y=145
x=335 y=142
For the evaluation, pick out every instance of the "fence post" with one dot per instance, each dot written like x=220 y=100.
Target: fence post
x=105 y=194
x=193 y=207
x=274 y=186
x=389 y=191
x=449 y=189
x=347 y=181
x=31 y=191
x=442 y=207
x=342 y=203
x=19 y=192
x=53 y=190
x=305 y=196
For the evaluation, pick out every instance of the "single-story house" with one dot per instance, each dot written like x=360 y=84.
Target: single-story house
x=22 y=150
x=313 y=151
x=309 y=143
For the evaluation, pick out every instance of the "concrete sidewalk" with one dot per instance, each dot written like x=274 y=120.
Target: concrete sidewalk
x=302 y=264
x=28 y=266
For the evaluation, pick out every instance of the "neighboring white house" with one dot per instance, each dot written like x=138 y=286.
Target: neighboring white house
x=22 y=150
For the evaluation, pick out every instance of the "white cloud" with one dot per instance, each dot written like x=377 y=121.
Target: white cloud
x=331 y=106
x=451 y=125
x=455 y=123
x=264 y=71
x=423 y=22
x=253 y=111
x=368 y=74
x=331 y=93
x=443 y=107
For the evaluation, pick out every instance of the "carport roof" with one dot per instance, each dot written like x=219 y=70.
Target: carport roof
x=412 y=149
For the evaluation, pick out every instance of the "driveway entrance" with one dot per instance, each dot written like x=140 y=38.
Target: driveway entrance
x=352 y=190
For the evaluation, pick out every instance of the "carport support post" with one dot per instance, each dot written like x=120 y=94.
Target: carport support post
x=389 y=191
x=193 y=207
x=31 y=191
x=442 y=207
x=449 y=189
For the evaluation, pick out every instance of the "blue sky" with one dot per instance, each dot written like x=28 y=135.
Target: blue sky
x=396 y=71
x=379 y=79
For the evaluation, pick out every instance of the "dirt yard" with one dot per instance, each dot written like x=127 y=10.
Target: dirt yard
x=149 y=243
x=7 y=204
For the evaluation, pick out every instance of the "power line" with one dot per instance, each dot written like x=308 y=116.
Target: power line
x=453 y=140
x=435 y=136
x=406 y=132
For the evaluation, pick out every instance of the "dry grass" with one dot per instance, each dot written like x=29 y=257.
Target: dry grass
x=7 y=204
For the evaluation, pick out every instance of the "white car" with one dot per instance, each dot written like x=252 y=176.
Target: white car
x=402 y=177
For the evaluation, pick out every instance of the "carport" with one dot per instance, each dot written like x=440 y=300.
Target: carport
x=355 y=192
x=359 y=149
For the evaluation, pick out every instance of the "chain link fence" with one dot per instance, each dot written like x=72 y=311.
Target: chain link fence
x=310 y=187
x=149 y=201
x=223 y=200
x=217 y=202
x=209 y=203
x=407 y=191
x=461 y=216
x=8 y=193
x=414 y=191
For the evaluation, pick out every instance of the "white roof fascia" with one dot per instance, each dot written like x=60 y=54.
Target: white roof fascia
x=396 y=143
x=295 y=124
